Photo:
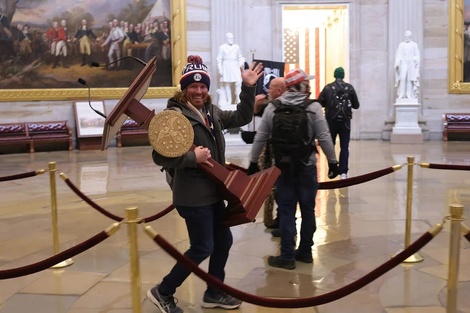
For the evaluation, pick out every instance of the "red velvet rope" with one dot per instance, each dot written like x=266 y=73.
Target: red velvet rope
x=55 y=259
x=336 y=183
x=159 y=214
x=91 y=203
x=301 y=302
x=111 y=215
x=18 y=176
x=355 y=180
x=323 y=185
x=449 y=167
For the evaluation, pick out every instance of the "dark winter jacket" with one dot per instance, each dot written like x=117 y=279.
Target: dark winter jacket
x=191 y=186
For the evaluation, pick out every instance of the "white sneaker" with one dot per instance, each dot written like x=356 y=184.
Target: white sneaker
x=344 y=176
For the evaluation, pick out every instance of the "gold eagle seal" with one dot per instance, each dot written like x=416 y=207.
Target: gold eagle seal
x=170 y=133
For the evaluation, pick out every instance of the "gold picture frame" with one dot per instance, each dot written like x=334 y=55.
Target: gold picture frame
x=456 y=48
x=177 y=19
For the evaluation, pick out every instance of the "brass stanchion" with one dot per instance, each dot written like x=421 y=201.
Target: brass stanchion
x=55 y=228
x=415 y=258
x=456 y=217
x=132 y=220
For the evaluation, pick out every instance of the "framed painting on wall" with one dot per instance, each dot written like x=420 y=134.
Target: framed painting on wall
x=459 y=46
x=47 y=45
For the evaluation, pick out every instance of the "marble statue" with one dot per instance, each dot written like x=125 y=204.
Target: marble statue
x=229 y=63
x=407 y=68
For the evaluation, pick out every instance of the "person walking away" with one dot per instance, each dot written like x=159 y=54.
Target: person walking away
x=339 y=98
x=295 y=154
x=277 y=86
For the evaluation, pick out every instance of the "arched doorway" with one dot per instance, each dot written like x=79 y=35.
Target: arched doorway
x=316 y=39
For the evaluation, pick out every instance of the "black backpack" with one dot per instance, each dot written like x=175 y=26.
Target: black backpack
x=340 y=106
x=290 y=140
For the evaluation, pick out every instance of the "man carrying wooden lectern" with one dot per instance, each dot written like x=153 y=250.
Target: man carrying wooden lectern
x=196 y=196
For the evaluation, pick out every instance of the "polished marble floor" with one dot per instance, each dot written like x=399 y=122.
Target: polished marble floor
x=359 y=228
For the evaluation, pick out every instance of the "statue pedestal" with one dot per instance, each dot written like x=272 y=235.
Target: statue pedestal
x=406 y=129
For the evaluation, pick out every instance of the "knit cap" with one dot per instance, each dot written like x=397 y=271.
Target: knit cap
x=194 y=72
x=339 y=73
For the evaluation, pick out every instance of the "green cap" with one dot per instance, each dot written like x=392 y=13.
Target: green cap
x=339 y=73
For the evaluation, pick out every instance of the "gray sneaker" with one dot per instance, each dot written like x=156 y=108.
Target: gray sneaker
x=166 y=304
x=220 y=300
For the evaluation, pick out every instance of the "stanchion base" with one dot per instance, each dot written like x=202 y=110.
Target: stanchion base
x=62 y=264
x=415 y=258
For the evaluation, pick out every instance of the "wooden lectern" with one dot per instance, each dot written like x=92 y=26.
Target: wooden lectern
x=244 y=194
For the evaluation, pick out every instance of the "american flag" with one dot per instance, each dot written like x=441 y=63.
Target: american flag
x=291 y=46
x=302 y=50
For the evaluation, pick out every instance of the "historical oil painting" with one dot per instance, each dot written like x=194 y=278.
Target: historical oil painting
x=459 y=46
x=50 y=44
x=466 y=47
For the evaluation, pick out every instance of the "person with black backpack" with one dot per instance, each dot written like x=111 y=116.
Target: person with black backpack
x=339 y=98
x=292 y=122
x=276 y=87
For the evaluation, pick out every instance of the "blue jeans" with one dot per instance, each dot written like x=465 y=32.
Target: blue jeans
x=343 y=129
x=301 y=189
x=207 y=238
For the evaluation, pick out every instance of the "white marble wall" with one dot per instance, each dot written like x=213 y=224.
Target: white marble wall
x=369 y=59
x=368 y=65
x=436 y=99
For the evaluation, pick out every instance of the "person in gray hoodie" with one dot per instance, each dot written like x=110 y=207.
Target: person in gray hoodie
x=195 y=195
x=301 y=186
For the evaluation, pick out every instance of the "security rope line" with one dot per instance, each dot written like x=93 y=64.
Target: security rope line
x=61 y=256
x=89 y=201
x=22 y=175
x=107 y=213
x=159 y=214
x=300 y=302
x=358 y=179
x=445 y=166
x=465 y=232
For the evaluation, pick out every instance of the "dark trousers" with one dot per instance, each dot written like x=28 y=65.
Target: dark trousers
x=301 y=189
x=207 y=238
x=343 y=130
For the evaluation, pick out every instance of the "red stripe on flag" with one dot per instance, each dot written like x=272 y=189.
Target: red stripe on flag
x=317 y=62
x=307 y=51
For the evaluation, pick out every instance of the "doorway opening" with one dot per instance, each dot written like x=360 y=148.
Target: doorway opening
x=315 y=38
